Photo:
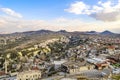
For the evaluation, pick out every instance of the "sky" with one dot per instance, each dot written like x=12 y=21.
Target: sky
x=70 y=15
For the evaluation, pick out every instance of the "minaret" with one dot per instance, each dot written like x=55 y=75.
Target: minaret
x=5 y=59
x=6 y=66
x=5 y=41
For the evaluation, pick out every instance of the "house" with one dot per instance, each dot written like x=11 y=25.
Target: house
x=68 y=79
x=111 y=49
x=58 y=63
x=102 y=65
x=115 y=57
x=8 y=77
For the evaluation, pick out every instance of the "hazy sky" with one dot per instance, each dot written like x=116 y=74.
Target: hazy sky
x=70 y=15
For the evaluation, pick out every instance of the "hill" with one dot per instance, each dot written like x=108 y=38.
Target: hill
x=107 y=33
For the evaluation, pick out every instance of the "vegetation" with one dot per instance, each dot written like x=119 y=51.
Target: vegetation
x=116 y=77
x=116 y=65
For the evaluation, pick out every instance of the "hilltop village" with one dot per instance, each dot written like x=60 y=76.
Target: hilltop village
x=66 y=57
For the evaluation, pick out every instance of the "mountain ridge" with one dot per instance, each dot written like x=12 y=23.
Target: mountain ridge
x=42 y=31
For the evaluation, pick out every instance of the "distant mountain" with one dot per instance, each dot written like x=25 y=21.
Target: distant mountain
x=62 y=31
x=39 y=31
x=92 y=32
x=33 y=32
x=107 y=33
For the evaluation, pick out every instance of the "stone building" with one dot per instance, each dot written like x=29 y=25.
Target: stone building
x=76 y=67
x=29 y=75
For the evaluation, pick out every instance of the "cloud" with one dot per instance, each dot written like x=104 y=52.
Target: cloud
x=113 y=16
x=11 y=12
x=12 y=25
x=104 y=11
x=78 y=8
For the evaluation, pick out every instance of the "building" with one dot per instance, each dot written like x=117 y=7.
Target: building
x=76 y=67
x=99 y=63
x=29 y=75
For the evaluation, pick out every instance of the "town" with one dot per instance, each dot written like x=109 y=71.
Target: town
x=81 y=56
